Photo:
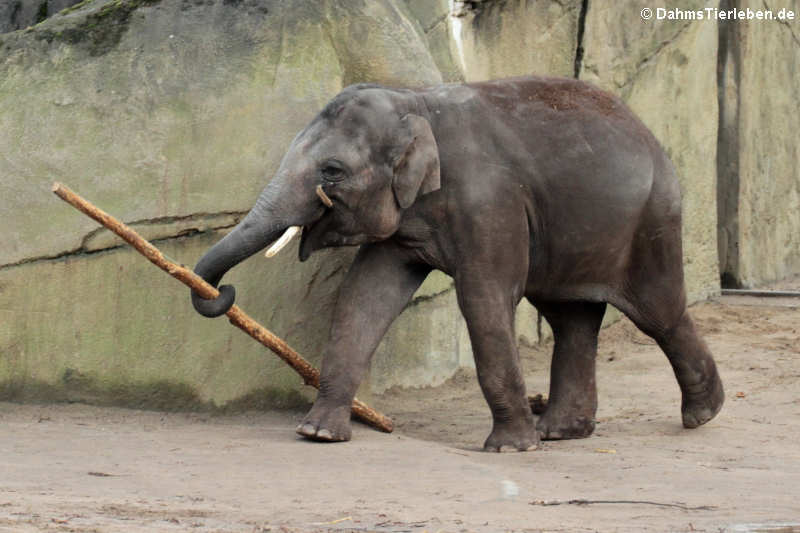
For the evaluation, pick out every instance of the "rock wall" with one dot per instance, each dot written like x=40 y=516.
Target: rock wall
x=173 y=114
x=759 y=163
x=20 y=14
x=514 y=37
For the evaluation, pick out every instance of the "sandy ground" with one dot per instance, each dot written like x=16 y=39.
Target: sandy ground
x=81 y=468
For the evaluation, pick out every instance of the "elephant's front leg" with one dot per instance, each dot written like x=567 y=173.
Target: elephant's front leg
x=377 y=287
x=488 y=308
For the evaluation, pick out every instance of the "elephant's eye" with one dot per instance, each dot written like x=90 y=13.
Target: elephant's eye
x=332 y=171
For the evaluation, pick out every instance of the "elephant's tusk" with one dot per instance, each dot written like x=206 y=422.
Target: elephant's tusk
x=287 y=236
x=324 y=197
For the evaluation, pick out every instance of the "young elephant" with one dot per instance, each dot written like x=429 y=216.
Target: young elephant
x=542 y=188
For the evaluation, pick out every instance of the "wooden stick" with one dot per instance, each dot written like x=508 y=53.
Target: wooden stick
x=237 y=317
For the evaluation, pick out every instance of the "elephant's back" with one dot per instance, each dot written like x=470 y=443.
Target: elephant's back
x=589 y=166
x=548 y=95
x=587 y=163
x=541 y=128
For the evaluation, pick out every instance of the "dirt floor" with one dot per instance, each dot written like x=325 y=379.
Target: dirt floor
x=81 y=468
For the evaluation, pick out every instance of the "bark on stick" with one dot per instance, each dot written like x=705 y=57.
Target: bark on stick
x=237 y=317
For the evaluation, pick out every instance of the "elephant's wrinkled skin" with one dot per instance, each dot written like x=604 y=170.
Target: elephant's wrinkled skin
x=542 y=188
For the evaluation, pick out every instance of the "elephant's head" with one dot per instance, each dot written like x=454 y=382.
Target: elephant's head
x=345 y=180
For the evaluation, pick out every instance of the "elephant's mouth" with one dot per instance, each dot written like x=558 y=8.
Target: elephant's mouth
x=326 y=232
x=312 y=238
x=292 y=231
x=321 y=232
x=309 y=240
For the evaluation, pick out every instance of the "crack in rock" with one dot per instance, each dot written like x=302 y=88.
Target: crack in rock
x=436 y=22
x=580 y=50
x=782 y=22
x=652 y=55
x=153 y=229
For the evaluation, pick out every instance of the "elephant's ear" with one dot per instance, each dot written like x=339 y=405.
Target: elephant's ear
x=416 y=170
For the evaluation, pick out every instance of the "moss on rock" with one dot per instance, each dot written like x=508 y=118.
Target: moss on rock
x=157 y=395
x=101 y=29
x=76 y=7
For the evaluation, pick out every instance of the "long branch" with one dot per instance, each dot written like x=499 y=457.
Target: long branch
x=237 y=317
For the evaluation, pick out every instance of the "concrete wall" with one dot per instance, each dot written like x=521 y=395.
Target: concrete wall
x=502 y=39
x=759 y=164
x=173 y=114
x=20 y=14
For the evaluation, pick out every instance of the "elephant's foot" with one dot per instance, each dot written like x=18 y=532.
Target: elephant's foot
x=558 y=424
x=326 y=424
x=703 y=403
x=563 y=427
x=514 y=436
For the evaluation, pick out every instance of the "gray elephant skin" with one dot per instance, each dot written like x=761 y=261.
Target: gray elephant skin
x=541 y=188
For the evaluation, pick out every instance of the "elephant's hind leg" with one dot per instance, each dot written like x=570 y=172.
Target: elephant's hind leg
x=571 y=407
x=702 y=394
x=653 y=296
x=656 y=303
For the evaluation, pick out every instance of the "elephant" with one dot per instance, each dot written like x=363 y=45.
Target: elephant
x=534 y=187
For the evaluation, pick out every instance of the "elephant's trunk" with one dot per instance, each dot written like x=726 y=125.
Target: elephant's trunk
x=285 y=205
x=257 y=230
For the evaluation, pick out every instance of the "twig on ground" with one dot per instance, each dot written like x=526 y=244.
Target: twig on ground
x=685 y=507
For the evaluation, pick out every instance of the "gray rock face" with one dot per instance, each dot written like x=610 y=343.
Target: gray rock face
x=759 y=163
x=19 y=14
x=502 y=39
x=173 y=115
